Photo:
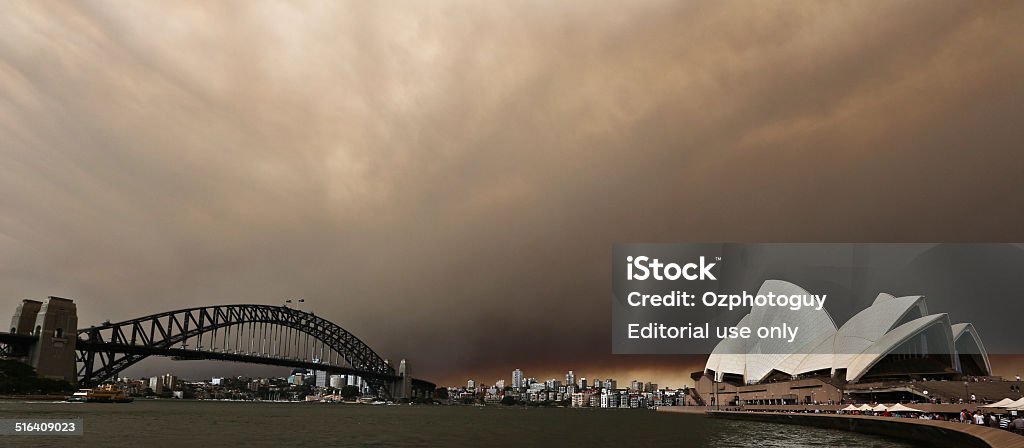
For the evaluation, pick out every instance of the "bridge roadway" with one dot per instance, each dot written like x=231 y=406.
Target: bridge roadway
x=13 y=340
x=192 y=354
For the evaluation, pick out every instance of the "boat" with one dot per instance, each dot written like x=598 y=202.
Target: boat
x=106 y=393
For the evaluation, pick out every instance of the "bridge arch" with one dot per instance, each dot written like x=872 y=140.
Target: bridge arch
x=246 y=333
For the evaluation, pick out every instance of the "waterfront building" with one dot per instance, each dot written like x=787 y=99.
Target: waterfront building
x=164 y=382
x=156 y=384
x=612 y=399
x=623 y=399
x=894 y=340
x=171 y=381
x=337 y=381
x=637 y=401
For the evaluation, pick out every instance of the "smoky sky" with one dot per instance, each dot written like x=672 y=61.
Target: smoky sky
x=446 y=179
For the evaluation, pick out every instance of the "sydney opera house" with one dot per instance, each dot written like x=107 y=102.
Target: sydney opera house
x=891 y=344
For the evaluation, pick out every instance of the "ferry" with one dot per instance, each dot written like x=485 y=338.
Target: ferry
x=106 y=393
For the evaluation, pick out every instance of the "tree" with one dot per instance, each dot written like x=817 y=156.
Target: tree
x=441 y=393
x=508 y=400
x=19 y=378
x=349 y=392
x=302 y=391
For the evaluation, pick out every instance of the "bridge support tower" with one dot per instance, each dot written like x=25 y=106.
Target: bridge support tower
x=402 y=388
x=54 y=324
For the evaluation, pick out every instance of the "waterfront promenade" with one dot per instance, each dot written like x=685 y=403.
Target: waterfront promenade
x=933 y=432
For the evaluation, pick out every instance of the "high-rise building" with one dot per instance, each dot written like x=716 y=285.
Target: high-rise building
x=583 y=383
x=171 y=381
x=500 y=384
x=517 y=379
x=156 y=384
x=317 y=377
x=337 y=381
x=471 y=384
x=163 y=382
x=610 y=384
x=570 y=378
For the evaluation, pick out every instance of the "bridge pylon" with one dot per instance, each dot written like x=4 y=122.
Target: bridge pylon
x=54 y=325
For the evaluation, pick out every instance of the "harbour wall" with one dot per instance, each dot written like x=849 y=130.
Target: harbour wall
x=930 y=432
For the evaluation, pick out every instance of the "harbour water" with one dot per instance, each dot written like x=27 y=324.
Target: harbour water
x=194 y=424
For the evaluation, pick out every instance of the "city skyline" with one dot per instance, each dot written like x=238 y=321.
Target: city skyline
x=658 y=369
x=666 y=374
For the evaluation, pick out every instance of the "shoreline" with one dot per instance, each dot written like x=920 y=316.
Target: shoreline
x=36 y=397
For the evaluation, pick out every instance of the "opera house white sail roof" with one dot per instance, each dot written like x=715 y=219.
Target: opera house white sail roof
x=898 y=330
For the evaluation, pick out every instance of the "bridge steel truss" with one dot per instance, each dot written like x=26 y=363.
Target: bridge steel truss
x=247 y=333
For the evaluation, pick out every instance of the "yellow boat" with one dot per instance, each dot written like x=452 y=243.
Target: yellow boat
x=107 y=393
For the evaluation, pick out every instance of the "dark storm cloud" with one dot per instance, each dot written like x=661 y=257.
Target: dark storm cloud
x=446 y=180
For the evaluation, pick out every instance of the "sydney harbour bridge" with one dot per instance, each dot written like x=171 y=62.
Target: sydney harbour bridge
x=45 y=335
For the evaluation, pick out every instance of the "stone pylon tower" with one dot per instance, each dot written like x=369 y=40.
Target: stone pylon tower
x=54 y=323
x=25 y=317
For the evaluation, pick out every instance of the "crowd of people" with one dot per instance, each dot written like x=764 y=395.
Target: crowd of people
x=993 y=420
x=998 y=420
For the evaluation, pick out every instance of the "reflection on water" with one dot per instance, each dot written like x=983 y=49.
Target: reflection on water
x=768 y=435
x=192 y=424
